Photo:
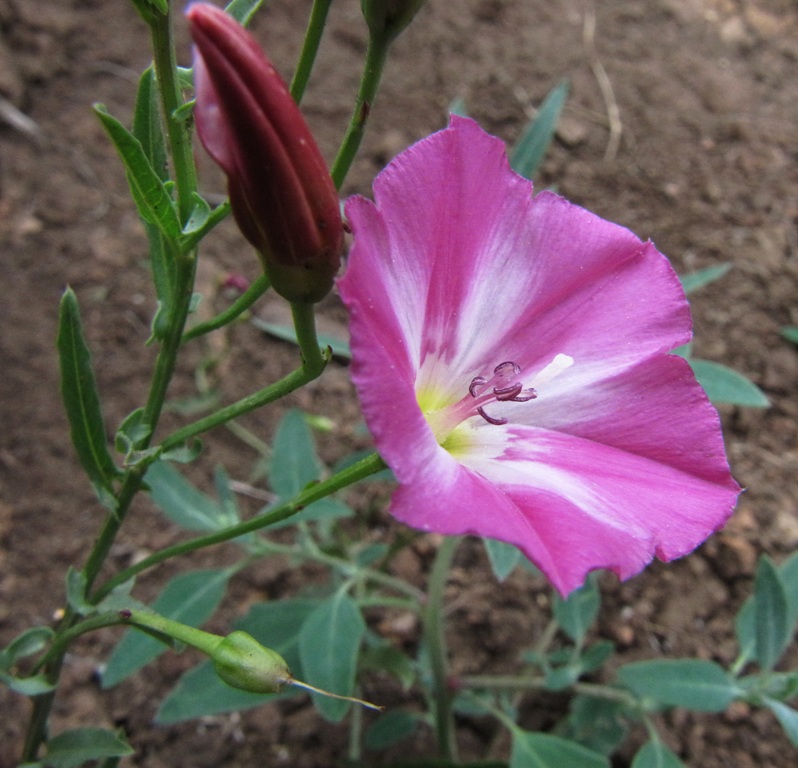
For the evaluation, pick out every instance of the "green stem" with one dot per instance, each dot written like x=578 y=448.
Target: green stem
x=237 y=308
x=318 y=18
x=196 y=638
x=362 y=469
x=179 y=136
x=313 y=363
x=435 y=640
x=376 y=55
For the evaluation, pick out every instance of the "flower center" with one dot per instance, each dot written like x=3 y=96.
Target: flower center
x=502 y=386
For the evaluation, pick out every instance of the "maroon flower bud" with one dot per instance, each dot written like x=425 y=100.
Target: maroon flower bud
x=281 y=192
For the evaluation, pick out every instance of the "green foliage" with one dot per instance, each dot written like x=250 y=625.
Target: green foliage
x=724 y=385
x=655 y=754
x=692 y=683
x=576 y=614
x=787 y=717
x=595 y=723
x=771 y=611
x=153 y=201
x=531 y=148
x=294 y=462
x=695 y=280
x=190 y=598
x=746 y=624
x=76 y=747
x=390 y=728
x=790 y=332
x=243 y=10
x=541 y=750
x=82 y=400
x=339 y=347
x=329 y=644
x=184 y=504
x=503 y=557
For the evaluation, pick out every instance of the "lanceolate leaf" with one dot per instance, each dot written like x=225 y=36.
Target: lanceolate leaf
x=329 y=643
x=693 y=683
x=787 y=717
x=294 y=461
x=74 y=748
x=541 y=750
x=656 y=755
x=723 y=385
x=695 y=280
x=153 y=202
x=528 y=153
x=771 y=612
x=82 y=400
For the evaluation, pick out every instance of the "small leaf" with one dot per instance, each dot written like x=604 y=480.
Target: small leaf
x=578 y=612
x=529 y=151
x=771 y=614
x=26 y=686
x=390 y=728
x=73 y=748
x=787 y=717
x=182 y=503
x=82 y=400
x=294 y=461
x=189 y=240
x=655 y=754
x=723 y=385
x=595 y=723
x=243 y=10
x=152 y=199
x=695 y=280
x=503 y=557
x=76 y=592
x=692 y=683
x=200 y=215
x=190 y=598
x=131 y=432
x=790 y=332
x=30 y=642
x=329 y=644
x=541 y=750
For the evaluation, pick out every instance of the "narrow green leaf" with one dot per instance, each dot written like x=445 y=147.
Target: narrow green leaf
x=190 y=598
x=294 y=461
x=73 y=748
x=695 y=280
x=329 y=644
x=152 y=199
x=655 y=754
x=339 y=347
x=528 y=153
x=723 y=385
x=576 y=614
x=503 y=557
x=790 y=332
x=771 y=614
x=692 y=683
x=82 y=400
x=26 y=686
x=542 y=750
x=30 y=642
x=182 y=503
x=243 y=10
x=787 y=717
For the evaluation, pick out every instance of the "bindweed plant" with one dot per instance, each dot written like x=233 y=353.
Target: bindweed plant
x=513 y=359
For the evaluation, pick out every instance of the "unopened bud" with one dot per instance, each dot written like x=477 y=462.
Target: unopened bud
x=281 y=192
x=242 y=662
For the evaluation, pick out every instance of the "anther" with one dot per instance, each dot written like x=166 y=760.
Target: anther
x=507 y=388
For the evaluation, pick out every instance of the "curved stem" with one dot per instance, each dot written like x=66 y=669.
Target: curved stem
x=376 y=54
x=435 y=640
x=318 y=18
x=237 y=308
x=362 y=469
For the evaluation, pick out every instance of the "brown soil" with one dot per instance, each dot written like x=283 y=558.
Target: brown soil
x=707 y=105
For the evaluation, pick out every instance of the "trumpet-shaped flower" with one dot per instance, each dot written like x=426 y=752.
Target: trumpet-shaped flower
x=512 y=358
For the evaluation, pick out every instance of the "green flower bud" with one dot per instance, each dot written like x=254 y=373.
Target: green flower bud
x=243 y=663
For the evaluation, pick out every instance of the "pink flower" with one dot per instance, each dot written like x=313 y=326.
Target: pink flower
x=511 y=355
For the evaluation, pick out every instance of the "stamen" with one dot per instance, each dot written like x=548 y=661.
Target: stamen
x=507 y=388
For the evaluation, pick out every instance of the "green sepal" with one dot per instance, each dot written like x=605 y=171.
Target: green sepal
x=82 y=401
x=153 y=201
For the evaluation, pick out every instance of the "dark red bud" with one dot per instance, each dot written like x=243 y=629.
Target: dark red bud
x=281 y=192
